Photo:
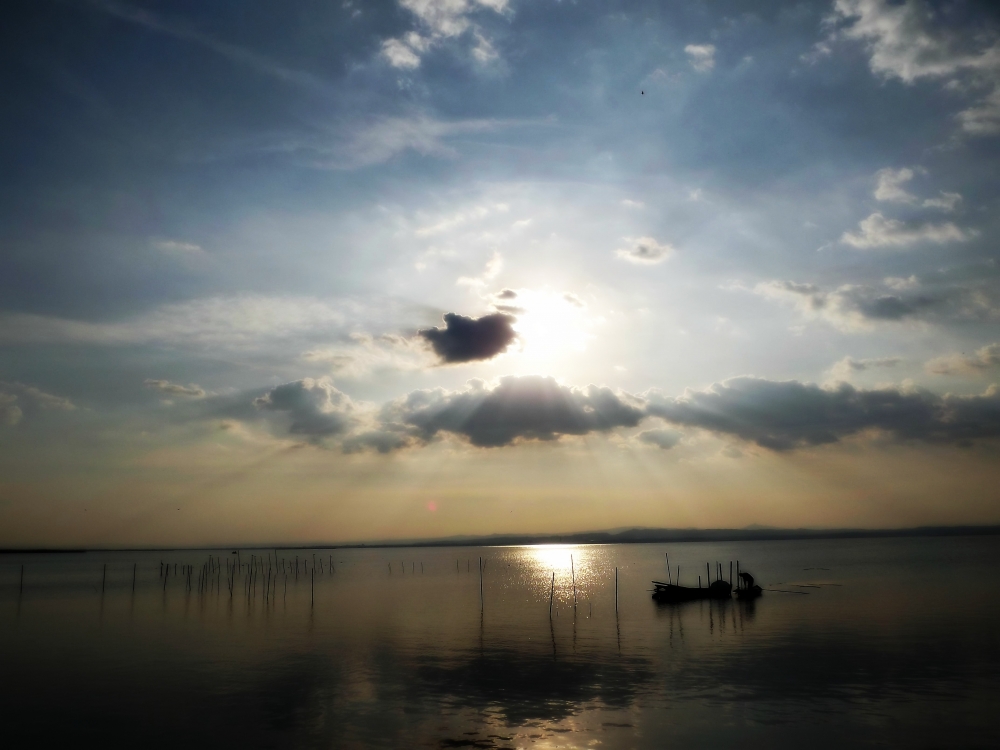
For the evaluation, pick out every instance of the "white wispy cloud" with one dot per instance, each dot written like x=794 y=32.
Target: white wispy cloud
x=239 y=55
x=245 y=321
x=175 y=389
x=848 y=366
x=877 y=231
x=981 y=361
x=701 y=56
x=644 y=251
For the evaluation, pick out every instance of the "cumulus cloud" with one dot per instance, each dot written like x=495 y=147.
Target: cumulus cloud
x=175 y=389
x=471 y=339
x=784 y=415
x=312 y=408
x=644 y=251
x=981 y=361
x=907 y=41
x=701 y=56
x=664 y=439
x=518 y=408
x=438 y=21
x=878 y=231
x=777 y=415
x=848 y=366
x=889 y=185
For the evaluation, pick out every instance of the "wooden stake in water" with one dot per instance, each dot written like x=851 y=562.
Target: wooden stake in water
x=134 y=567
x=312 y=589
x=20 y=589
x=730 y=574
x=480 y=584
x=572 y=571
x=668 y=567
x=552 y=592
x=104 y=577
x=616 y=591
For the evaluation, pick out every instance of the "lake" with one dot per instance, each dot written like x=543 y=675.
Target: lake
x=864 y=642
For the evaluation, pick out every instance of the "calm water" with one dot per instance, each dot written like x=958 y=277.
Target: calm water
x=863 y=642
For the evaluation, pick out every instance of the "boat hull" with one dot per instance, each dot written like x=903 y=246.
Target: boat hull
x=668 y=592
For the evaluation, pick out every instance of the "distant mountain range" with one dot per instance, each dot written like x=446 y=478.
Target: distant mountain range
x=632 y=535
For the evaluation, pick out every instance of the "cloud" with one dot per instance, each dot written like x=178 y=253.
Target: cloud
x=908 y=41
x=379 y=140
x=312 y=408
x=366 y=353
x=518 y=408
x=10 y=412
x=856 y=307
x=785 y=415
x=474 y=213
x=175 y=389
x=239 y=55
x=470 y=339
x=846 y=367
x=890 y=183
x=900 y=283
x=701 y=56
x=438 y=21
x=664 y=439
x=173 y=246
x=233 y=322
x=945 y=201
x=984 y=359
x=400 y=54
x=18 y=400
x=644 y=251
x=777 y=415
x=878 y=231
x=493 y=267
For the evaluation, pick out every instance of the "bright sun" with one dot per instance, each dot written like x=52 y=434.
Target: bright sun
x=551 y=325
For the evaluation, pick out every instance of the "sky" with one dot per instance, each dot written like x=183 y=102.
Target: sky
x=342 y=271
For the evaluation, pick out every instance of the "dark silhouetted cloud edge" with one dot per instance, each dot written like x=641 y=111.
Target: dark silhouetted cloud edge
x=777 y=415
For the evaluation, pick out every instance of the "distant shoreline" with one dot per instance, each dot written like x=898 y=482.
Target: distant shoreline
x=624 y=536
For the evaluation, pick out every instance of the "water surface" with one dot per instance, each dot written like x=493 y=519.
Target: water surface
x=876 y=642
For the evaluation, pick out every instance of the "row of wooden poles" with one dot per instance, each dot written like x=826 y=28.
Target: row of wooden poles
x=708 y=572
x=252 y=571
x=262 y=571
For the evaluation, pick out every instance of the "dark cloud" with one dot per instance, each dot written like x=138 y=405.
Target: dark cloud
x=530 y=407
x=507 y=294
x=783 y=415
x=665 y=439
x=470 y=339
x=314 y=408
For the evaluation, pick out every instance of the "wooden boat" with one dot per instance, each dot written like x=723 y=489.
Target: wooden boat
x=750 y=592
x=671 y=592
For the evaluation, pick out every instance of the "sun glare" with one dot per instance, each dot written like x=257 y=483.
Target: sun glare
x=551 y=325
